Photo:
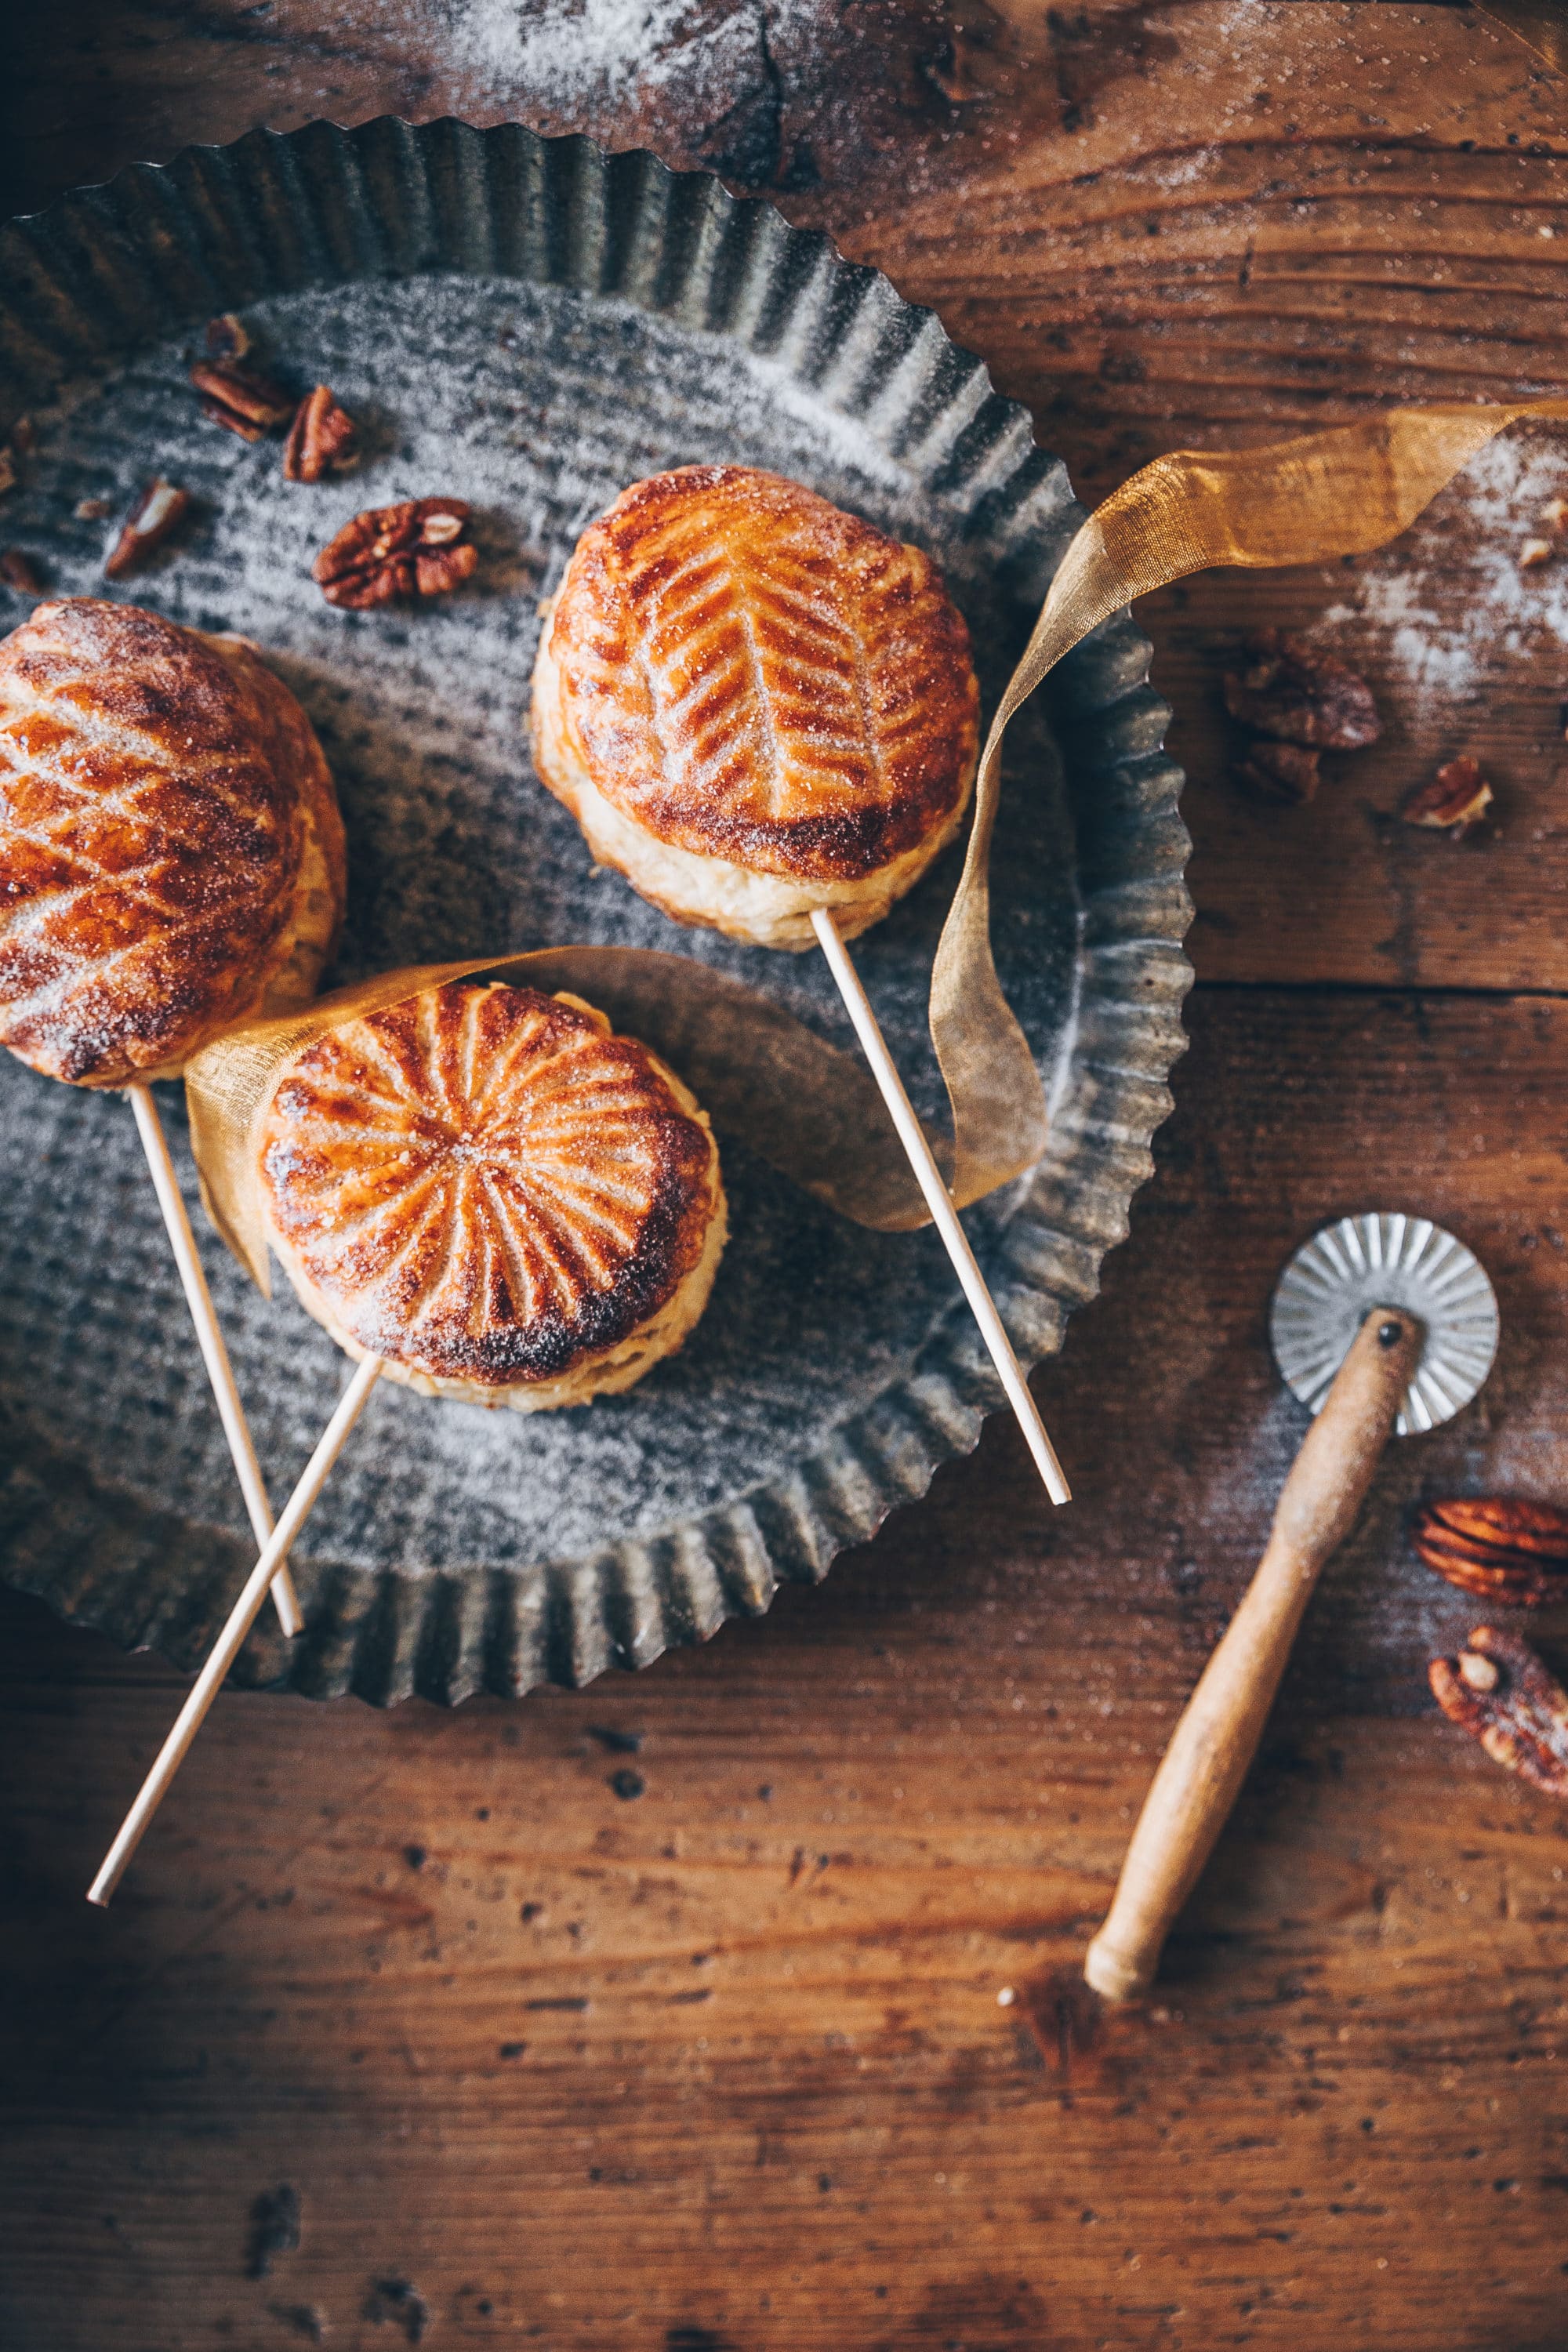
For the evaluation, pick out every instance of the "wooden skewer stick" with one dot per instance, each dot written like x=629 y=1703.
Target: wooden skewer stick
x=243 y=1615
x=215 y=1355
x=939 y=1201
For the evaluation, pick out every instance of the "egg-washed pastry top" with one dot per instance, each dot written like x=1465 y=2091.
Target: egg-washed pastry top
x=170 y=844
x=482 y=1184
x=751 y=674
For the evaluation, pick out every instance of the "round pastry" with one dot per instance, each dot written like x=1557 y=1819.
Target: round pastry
x=171 y=851
x=755 y=705
x=486 y=1188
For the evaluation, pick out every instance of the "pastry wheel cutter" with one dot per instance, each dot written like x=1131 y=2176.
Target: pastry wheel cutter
x=1380 y=1324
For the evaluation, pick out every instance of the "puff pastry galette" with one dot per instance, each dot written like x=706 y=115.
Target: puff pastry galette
x=171 y=851
x=755 y=704
x=488 y=1189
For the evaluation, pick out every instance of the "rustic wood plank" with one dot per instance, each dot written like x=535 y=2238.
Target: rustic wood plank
x=1264 y=234
x=1342 y=891
x=728 y=2054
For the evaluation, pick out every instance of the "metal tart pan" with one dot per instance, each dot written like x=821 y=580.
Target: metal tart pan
x=530 y=323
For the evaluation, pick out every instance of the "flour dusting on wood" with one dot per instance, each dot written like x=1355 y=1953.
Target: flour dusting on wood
x=1448 y=604
x=574 y=53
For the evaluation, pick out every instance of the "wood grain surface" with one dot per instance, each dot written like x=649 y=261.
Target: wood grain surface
x=733 y=2007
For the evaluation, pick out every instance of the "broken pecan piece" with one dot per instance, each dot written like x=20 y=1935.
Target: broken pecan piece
x=413 y=550
x=323 y=439
x=1454 y=802
x=1497 y=1546
x=239 y=399
x=1299 y=696
x=1499 y=1692
x=152 y=520
x=1285 y=773
x=18 y=572
x=227 y=337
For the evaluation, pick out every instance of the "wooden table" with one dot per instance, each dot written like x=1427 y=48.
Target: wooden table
x=732 y=2064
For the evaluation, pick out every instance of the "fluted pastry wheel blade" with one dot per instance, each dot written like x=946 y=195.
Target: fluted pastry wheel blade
x=1384 y=1259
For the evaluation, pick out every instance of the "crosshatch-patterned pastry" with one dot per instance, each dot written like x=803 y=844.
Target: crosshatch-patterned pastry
x=488 y=1189
x=755 y=704
x=171 y=852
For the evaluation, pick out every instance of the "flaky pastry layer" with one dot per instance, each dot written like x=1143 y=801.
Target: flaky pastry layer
x=768 y=909
x=486 y=1188
x=171 y=852
x=743 y=674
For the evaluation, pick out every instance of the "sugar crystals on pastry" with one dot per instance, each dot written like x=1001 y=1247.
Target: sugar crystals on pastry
x=755 y=704
x=488 y=1189
x=171 y=852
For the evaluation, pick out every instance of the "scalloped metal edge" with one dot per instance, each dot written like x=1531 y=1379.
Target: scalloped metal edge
x=161 y=246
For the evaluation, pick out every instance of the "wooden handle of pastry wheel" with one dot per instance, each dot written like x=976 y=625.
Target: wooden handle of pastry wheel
x=231 y=1641
x=215 y=1355
x=1214 y=1743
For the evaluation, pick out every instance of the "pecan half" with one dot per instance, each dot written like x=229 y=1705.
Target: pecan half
x=1497 y=1546
x=227 y=337
x=7 y=467
x=18 y=572
x=152 y=520
x=240 y=399
x=1285 y=773
x=323 y=439
x=1454 y=802
x=1498 y=1689
x=413 y=550
x=1299 y=696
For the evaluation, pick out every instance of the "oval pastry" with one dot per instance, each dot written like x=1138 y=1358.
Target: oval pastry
x=486 y=1188
x=755 y=704
x=171 y=851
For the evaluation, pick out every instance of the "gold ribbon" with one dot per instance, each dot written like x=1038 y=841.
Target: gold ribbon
x=807 y=1107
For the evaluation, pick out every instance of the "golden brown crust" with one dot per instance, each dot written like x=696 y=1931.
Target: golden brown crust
x=748 y=673
x=170 y=843
x=308 y=939
x=483 y=1186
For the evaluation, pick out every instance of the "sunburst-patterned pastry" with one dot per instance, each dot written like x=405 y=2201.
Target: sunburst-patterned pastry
x=171 y=852
x=486 y=1188
x=755 y=705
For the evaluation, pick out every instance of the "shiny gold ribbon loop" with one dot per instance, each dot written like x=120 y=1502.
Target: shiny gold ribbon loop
x=1299 y=502
x=807 y=1107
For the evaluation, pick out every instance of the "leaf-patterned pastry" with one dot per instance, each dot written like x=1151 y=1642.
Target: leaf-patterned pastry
x=485 y=1187
x=171 y=852
x=739 y=680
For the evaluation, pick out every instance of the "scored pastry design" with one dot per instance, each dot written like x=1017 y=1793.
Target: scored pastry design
x=488 y=1189
x=755 y=704
x=171 y=852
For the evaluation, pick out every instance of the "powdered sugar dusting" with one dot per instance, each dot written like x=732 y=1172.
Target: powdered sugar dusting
x=571 y=54
x=1450 y=608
